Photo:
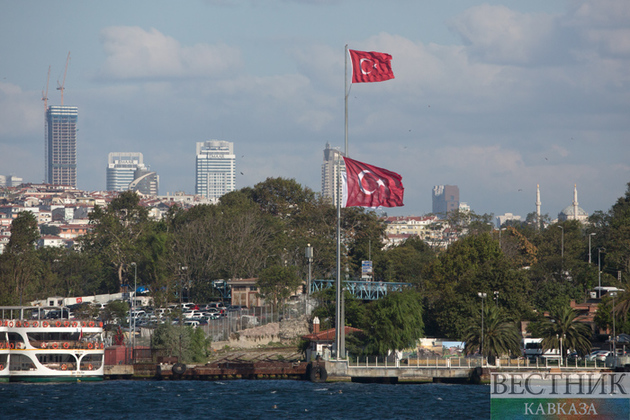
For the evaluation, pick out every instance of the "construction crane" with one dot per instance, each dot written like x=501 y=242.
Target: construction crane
x=61 y=86
x=45 y=95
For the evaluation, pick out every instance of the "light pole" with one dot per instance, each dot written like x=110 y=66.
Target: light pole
x=309 y=257
x=613 y=294
x=599 y=271
x=133 y=305
x=562 y=249
x=483 y=297
x=560 y=337
x=589 y=245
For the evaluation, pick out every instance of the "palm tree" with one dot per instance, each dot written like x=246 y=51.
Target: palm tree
x=562 y=324
x=499 y=335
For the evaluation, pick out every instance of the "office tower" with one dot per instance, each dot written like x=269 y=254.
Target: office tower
x=145 y=182
x=61 y=145
x=445 y=199
x=215 y=168
x=333 y=163
x=121 y=169
x=10 y=181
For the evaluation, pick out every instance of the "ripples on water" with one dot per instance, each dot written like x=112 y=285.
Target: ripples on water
x=242 y=399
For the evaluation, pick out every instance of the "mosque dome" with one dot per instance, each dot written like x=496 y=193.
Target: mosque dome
x=569 y=214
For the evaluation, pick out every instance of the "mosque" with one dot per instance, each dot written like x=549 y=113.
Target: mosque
x=570 y=212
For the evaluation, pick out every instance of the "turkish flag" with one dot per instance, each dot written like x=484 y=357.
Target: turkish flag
x=370 y=66
x=370 y=186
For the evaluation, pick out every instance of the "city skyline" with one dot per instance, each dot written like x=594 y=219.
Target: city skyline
x=492 y=97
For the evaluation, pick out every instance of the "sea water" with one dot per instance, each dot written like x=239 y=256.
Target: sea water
x=241 y=399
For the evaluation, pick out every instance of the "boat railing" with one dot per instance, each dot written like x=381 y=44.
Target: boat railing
x=68 y=345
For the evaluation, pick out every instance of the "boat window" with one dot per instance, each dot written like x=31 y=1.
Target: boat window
x=21 y=362
x=16 y=339
x=60 y=361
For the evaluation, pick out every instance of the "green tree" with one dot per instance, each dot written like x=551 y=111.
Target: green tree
x=394 y=322
x=20 y=265
x=116 y=235
x=469 y=266
x=406 y=262
x=499 y=336
x=563 y=324
x=277 y=283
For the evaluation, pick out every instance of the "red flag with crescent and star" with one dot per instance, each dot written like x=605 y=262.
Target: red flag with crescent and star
x=370 y=186
x=370 y=66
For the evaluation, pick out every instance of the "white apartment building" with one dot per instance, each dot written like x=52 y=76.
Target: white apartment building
x=331 y=168
x=215 y=168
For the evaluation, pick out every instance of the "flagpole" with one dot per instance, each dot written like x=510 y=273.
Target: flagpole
x=339 y=327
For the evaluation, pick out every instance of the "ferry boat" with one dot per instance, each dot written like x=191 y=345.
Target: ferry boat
x=35 y=348
x=4 y=354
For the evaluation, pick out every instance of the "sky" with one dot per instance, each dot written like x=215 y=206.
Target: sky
x=494 y=97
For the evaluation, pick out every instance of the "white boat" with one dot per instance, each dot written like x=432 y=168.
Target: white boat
x=4 y=354
x=40 y=349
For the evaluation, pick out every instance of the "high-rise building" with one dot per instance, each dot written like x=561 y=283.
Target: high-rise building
x=445 y=199
x=333 y=163
x=215 y=168
x=145 y=182
x=61 y=145
x=121 y=169
x=10 y=181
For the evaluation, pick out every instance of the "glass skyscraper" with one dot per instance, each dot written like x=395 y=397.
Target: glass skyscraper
x=61 y=145
x=215 y=168
x=121 y=169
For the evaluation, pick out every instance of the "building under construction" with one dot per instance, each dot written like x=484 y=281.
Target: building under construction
x=61 y=145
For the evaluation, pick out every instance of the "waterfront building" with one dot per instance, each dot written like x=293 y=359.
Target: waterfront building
x=445 y=199
x=333 y=163
x=215 y=168
x=121 y=169
x=61 y=145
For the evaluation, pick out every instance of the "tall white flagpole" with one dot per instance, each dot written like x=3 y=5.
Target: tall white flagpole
x=340 y=327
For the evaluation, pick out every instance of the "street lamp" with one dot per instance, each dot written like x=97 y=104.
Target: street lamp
x=599 y=269
x=589 y=246
x=560 y=337
x=483 y=297
x=309 y=257
x=562 y=251
x=613 y=294
x=135 y=288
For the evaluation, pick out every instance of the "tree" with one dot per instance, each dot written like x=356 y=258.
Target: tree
x=471 y=265
x=20 y=264
x=498 y=337
x=116 y=234
x=277 y=283
x=562 y=324
x=394 y=322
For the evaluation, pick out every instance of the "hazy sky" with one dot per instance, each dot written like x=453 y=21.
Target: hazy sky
x=494 y=97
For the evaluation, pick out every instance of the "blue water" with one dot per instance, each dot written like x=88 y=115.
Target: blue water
x=241 y=399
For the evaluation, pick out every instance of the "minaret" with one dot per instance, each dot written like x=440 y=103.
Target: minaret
x=538 y=206
x=575 y=202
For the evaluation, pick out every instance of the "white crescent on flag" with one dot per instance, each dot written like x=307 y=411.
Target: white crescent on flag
x=370 y=65
x=380 y=182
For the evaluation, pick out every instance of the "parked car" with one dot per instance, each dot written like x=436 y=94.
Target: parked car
x=250 y=321
x=192 y=314
x=191 y=323
x=599 y=355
